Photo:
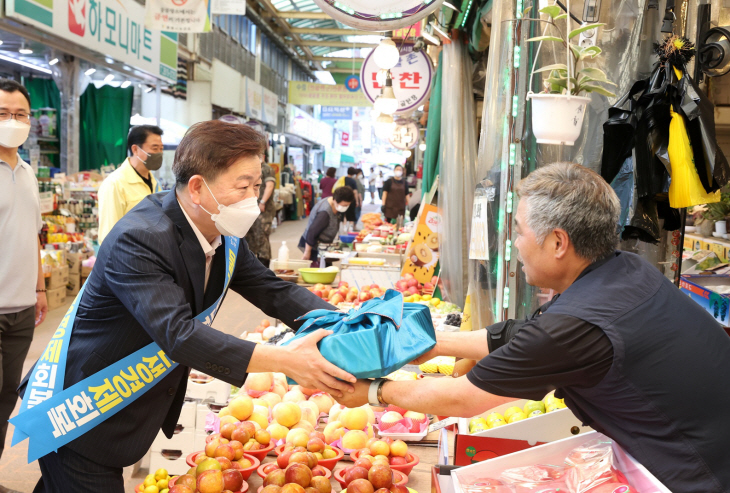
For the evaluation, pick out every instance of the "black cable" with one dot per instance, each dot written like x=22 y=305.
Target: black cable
x=565 y=9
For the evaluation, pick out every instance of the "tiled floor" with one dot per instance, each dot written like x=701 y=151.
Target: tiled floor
x=236 y=316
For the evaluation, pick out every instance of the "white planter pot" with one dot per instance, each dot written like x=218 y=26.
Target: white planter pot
x=721 y=227
x=557 y=118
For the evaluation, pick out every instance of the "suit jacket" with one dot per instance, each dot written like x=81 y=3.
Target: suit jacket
x=147 y=285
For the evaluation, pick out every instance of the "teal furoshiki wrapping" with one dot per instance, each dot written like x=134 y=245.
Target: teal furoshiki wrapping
x=378 y=338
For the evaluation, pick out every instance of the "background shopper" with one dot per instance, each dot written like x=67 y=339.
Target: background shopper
x=259 y=235
x=328 y=182
x=324 y=223
x=23 y=303
x=372 y=178
x=379 y=183
x=396 y=193
x=132 y=181
x=350 y=181
x=359 y=178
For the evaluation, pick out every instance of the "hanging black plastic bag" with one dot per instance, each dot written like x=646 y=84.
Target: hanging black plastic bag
x=699 y=112
x=652 y=132
x=619 y=132
x=645 y=223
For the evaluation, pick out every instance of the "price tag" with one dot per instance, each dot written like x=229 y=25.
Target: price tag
x=442 y=424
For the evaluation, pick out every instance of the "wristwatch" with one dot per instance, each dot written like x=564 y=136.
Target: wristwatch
x=375 y=393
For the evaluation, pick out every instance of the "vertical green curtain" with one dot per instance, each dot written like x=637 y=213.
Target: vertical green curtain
x=105 y=117
x=45 y=94
x=432 y=155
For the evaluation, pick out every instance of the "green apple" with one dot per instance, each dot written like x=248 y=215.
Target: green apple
x=533 y=406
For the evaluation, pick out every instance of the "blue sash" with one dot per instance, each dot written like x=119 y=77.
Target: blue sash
x=52 y=417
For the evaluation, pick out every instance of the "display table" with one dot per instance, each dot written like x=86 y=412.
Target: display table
x=720 y=246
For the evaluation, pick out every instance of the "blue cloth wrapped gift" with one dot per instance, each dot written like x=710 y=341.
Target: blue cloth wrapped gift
x=378 y=338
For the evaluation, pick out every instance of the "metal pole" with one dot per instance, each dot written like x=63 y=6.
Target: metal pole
x=158 y=98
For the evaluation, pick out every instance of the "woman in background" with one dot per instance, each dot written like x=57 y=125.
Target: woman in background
x=324 y=223
x=328 y=182
x=395 y=195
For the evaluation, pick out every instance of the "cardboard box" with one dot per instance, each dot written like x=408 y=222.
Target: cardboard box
x=513 y=437
x=555 y=453
x=74 y=284
x=56 y=297
x=85 y=271
x=74 y=261
x=704 y=291
x=58 y=279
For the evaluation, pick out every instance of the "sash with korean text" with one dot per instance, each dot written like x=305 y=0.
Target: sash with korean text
x=52 y=417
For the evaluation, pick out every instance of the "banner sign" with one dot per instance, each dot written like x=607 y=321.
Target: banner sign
x=336 y=113
x=180 y=16
x=411 y=32
x=345 y=139
x=228 y=7
x=412 y=78
x=52 y=417
x=405 y=136
x=303 y=124
x=114 y=28
x=271 y=107
x=311 y=93
x=254 y=99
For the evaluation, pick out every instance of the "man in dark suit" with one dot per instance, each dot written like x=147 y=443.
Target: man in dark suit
x=161 y=265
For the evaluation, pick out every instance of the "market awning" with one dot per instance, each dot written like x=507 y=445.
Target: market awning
x=345 y=158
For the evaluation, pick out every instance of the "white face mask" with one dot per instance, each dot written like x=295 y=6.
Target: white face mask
x=342 y=208
x=235 y=219
x=13 y=133
x=398 y=174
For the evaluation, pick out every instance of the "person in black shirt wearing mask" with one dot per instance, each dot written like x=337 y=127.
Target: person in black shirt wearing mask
x=631 y=355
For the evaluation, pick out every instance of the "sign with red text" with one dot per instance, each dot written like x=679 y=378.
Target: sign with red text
x=345 y=141
x=412 y=79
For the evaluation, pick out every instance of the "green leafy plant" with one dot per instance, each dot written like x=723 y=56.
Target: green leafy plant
x=582 y=79
x=717 y=211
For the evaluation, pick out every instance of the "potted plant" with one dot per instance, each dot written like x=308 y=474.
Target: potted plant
x=558 y=111
x=714 y=217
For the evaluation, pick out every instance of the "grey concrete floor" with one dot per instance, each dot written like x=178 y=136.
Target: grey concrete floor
x=235 y=317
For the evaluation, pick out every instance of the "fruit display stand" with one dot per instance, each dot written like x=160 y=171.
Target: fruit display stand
x=366 y=275
x=512 y=437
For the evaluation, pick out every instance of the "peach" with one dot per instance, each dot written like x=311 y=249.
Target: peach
x=241 y=407
x=321 y=484
x=310 y=412
x=354 y=439
x=315 y=445
x=232 y=480
x=287 y=414
x=399 y=448
x=260 y=418
x=272 y=398
x=292 y=488
x=379 y=447
x=360 y=486
x=297 y=437
x=260 y=382
x=210 y=482
x=263 y=437
x=299 y=474
x=323 y=401
x=381 y=476
x=295 y=396
x=272 y=488
x=335 y=411
x=276 y=477
x=354 y=473
x=333 y=431
x=277 y=431
x=371 y=414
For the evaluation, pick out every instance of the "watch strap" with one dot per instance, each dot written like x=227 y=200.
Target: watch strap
x=373 y=392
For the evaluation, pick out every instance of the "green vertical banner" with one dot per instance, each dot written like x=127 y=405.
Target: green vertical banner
x=433 y=132
x=105 y=121
x=45 y=94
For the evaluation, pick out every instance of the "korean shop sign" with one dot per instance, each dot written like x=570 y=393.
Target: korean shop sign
x=412 y=79
x=180 y=16
x=311 y=93
x=110 y=27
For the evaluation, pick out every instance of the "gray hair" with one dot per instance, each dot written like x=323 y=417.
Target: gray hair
x=577 y=200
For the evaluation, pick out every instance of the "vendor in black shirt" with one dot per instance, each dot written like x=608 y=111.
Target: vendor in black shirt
x=351 y=181
x=633 y=357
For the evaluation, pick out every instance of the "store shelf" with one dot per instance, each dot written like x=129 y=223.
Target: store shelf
x=51 y=152
x=47 y=139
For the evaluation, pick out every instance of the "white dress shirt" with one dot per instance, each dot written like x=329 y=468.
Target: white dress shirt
x=208 y=248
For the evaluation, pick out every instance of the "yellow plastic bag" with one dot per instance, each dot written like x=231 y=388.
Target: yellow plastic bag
x=339 y=183
x=685 y=189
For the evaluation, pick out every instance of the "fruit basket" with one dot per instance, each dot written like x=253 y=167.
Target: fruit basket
x=347 y=238
x=398 y=478
x=246 y=473
x=326 y=463
x=315 y=276
x=262 y=474
x=411 y=461
x=243 y=489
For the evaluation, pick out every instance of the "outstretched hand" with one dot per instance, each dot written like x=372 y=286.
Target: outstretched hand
x=359 y=397
x=309 y=369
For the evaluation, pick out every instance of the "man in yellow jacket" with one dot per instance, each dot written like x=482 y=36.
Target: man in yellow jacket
x=133 y=180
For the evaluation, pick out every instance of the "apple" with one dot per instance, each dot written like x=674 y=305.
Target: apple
x=398 y=461
x=232 y=480
x=351 y=297
x=354 y=473
x=360 y=486
x=299 y=474
x=210 y=482
x=343 y=284
x=381 y=476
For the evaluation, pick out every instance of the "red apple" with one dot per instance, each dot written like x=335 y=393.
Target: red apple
x=232 y=480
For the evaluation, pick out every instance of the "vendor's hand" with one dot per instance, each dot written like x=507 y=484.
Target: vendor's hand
x=309 y=369
x=41 y=308
x=262 y=207
x=306 y=256
x=357 y=398
x=433 y=353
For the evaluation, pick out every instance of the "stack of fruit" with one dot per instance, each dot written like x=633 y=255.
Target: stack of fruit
x=371 y=475
x=222 y=466
x=439 y=364
x=353 y=427
x=531 y=409
x=409 y=286
x=346 y=294
x=312 y=443
x=154 y=483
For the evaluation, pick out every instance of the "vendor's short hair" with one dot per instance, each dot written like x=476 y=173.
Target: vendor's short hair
x=343 y=194
x=209 y=148
x=577 y=200
x=351 y=171
x=138 y=135
x=10 y=85
x=331 y=172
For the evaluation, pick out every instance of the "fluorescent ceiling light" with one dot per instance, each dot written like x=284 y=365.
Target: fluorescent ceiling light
x=447 y=4
x=430 y=38
x=149 y=89
x=90 y=71
x=126 y=84
x=109 y=78
x=25 y=51
x=1 y=42
x=25 y=64
x=53 y=62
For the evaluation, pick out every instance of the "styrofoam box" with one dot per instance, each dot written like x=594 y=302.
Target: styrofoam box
x=183 y=441
x=547 y=427
x=187 y=415
x=215 y=391
x=199 y=443
x=554 y=453
x=176 y=466
x=406 y=437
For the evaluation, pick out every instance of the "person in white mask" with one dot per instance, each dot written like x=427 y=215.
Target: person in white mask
x=23 y=303
x=160 y=277
x=324 y=222
x=132 y=180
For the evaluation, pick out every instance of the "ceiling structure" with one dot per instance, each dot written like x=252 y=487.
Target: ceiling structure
x=314 y=35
